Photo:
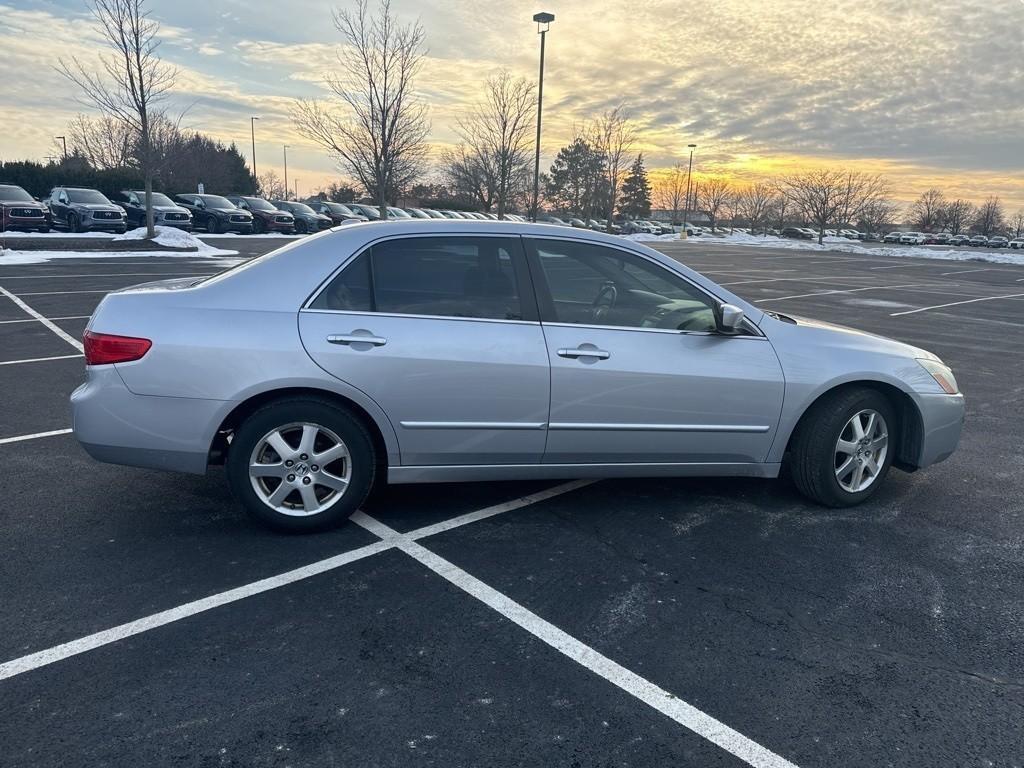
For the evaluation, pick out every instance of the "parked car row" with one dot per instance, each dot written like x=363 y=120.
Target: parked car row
x=945 y=238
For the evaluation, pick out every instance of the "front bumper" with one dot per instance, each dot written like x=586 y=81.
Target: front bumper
x=117 y=426
x=942 y=422
x=89 y=224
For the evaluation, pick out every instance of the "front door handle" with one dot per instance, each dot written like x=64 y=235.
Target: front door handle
x=585 y=350
x=354 y=338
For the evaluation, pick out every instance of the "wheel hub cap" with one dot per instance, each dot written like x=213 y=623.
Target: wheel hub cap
x=861 y=450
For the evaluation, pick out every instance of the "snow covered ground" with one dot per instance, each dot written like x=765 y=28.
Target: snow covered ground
x=166 y=236
x=842 y=245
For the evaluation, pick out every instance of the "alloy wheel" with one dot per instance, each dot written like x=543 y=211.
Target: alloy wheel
x=300 y=469
x=861 y=450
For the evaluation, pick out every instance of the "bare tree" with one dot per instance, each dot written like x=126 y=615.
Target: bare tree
x=958 y=215
x=470 y=175
x=670 y=191
x=131 y=80
x=497 y=133
x=928 y=211
x=714 y=197
x=1017 y=223
x=877 y=215
x=754 y=204
x=613 y=136
x=104 y=141
x=818 y=195
x=380 y=134
x=271 y=186
x=856 y=191
x=781 y=206
x=989 y=218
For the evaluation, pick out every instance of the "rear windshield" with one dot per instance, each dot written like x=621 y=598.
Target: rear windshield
x=15 y=194
x=87 y=196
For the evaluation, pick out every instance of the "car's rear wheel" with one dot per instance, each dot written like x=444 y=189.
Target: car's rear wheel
x=843 y=447
x=302 y=464
x=258 y=227
x=212 y=225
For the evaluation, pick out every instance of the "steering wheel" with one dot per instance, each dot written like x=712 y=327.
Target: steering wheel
x=605 y=300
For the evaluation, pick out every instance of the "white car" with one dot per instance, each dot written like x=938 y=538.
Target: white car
x=913 y=238
x=1017 y=242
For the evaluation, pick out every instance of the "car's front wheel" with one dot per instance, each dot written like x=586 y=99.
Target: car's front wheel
x=843 y=447
x=73 y=224
x=212 y=225
x=302 y=464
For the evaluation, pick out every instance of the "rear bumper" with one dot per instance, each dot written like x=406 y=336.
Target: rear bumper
x=117 y=426
x=942 y=421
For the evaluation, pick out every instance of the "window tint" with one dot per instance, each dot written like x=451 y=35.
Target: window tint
x=597 y=285
x=442 y=276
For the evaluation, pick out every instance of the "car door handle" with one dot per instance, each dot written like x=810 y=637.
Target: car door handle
x=376 y=341
x=585 y=351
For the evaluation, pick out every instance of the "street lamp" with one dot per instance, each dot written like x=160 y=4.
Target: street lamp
x=252 y=133
x=65 y=143
x=543 y=24
x=686 y=213
x=285 y=171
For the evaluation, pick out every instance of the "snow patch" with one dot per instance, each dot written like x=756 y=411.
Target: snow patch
x=171 y=238
x=8 y=258
x=644 y=237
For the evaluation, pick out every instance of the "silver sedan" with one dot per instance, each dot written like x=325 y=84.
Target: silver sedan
x=455 y=350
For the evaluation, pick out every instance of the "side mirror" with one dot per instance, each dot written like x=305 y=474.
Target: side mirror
x=730 y=318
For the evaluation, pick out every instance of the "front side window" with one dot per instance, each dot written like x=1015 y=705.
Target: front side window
x=591 y=284
x=471 y=277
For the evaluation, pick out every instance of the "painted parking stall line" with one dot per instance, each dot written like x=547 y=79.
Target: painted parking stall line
x=49 y=324
x=840 y=290
x=35 y=320
x=34 y=436
x=38 y=359
x=956 y=304
x=106 y=637
x=683 y=713
x=965 y=271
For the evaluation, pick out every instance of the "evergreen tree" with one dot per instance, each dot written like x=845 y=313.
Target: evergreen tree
x=575 y=177
x=635 y=200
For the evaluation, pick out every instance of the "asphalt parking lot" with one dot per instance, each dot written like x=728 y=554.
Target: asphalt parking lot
x=689 y=622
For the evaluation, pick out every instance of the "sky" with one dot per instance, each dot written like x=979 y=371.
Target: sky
x=926 y=92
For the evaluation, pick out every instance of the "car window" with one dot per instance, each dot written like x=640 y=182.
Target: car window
x=471 y=277
x=597 y=285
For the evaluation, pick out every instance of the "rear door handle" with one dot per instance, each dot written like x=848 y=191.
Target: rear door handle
x=353 y=338
x=585 y=350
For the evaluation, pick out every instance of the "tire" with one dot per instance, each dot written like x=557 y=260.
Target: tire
x=73 y=224
x=258 y=227
x=291 y=419
x=816 y=456
x=212 y=225
x=301 y=227
x=44 y=230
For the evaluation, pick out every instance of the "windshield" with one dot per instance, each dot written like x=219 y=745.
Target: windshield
x=87 y=196
x=258 y=204
x=216 y=201
x=15 y=195
x=158 y=199
x=337 y=208
x=300 y=208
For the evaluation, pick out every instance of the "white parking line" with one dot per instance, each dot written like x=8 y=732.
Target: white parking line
x=965 y=271
x=905 y=266
x=59 y=276
x=823 y=279
x=35 y=320
x=63 y=293
x=19 y=438
x=956 y=303
x=90 y=642
x=847 y=290
x=55 y=328
x=37 y=359
x=686 y=715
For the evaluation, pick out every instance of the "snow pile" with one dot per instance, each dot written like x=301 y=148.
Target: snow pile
x=644 y=237
x=8 y=258
x=842 y=245
x=170 y=237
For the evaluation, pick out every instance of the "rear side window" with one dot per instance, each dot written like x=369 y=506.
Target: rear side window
x=473 y=277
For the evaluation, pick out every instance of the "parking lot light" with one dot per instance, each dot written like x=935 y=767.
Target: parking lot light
x=252 y=133
x=689 y=170
x=543 y=24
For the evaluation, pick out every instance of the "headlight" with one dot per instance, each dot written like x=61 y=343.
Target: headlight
x=942 y=374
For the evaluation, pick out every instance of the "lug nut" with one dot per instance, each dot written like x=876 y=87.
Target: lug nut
x=289 y=463
x=291 y=478
x=306 y=481
x=315 y=468
x=304 y=457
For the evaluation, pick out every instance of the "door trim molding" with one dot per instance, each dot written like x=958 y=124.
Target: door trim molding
x=616 y=427
x=482 y=472
x=473 y=424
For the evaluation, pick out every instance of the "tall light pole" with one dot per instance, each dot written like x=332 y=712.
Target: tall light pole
x=63 y=141
x=686 y=213
x=285 y=171
x=543 y=24
x=252 y=133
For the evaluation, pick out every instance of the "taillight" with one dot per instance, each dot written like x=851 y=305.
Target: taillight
x=104 y=348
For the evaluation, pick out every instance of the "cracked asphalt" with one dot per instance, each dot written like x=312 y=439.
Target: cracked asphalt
x=891 y=634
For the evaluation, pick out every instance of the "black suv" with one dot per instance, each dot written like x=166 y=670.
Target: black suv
x=265 y=217
x=85 y=210
x=166 y=213
x=18 y=210
x=216 y=214
x=307 y=220
x=337 y=212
